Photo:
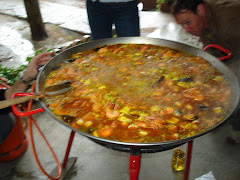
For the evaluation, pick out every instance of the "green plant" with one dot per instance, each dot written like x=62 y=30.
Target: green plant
x=12 y=74
x=159 y=3
x=70 y=38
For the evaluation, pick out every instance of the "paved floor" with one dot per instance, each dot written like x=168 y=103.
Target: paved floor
x=211 y=152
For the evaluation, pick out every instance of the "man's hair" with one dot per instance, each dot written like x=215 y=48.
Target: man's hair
x=190 y=5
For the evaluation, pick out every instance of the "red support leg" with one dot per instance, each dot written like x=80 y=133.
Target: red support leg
x=68 y=149
x=188 y=160
x=134 y=165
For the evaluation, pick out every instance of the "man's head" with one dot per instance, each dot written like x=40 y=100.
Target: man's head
x=190 y=14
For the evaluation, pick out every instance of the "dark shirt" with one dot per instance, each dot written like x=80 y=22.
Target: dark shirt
x=223 y=20
x=6 y=119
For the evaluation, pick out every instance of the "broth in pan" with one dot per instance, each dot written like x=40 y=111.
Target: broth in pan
x=139 y=93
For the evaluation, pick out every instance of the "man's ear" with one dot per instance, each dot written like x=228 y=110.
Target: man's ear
x=201 y=10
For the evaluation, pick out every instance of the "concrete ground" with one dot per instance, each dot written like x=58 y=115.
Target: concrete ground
x=211 y=152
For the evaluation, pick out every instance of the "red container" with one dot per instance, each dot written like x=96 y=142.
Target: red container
x=16 y=142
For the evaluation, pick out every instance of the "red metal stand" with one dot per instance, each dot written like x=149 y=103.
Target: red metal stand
x=188 y=159
x=134 y=165
x=68 y=149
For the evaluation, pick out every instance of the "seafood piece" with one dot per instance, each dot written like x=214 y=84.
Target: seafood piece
x=186 y=79
x=203 y=107
x=190 y=117
x=67 y=118
x=112 y=111
x=105 y=131
x=161 y=77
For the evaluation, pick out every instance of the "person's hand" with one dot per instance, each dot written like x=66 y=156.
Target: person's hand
x=31 y=71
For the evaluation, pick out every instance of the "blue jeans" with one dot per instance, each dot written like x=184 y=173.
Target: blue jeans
x=102 y=16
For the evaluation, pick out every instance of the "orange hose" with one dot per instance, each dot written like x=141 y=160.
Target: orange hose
x=29 y=121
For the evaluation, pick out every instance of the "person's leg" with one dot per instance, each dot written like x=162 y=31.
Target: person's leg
x=126 y=19
x=234 y=65
x=235 y=120
x=6 y=125
x=99 y=20
x=234 y=135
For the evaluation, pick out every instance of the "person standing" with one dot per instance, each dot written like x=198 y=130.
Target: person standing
x=103 y=14
x=215 y=22
x=13 y=141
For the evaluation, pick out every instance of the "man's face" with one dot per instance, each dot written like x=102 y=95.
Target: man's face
x=191 y=23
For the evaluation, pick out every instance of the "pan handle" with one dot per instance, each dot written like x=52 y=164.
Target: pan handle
x=229 y=54
x=21 y=113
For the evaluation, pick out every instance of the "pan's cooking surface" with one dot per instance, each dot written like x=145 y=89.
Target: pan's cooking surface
x=155 y=108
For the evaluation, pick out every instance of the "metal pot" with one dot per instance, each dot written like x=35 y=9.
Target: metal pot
x=140 y=147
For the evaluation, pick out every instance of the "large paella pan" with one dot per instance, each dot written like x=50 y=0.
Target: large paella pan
x=140 y=92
